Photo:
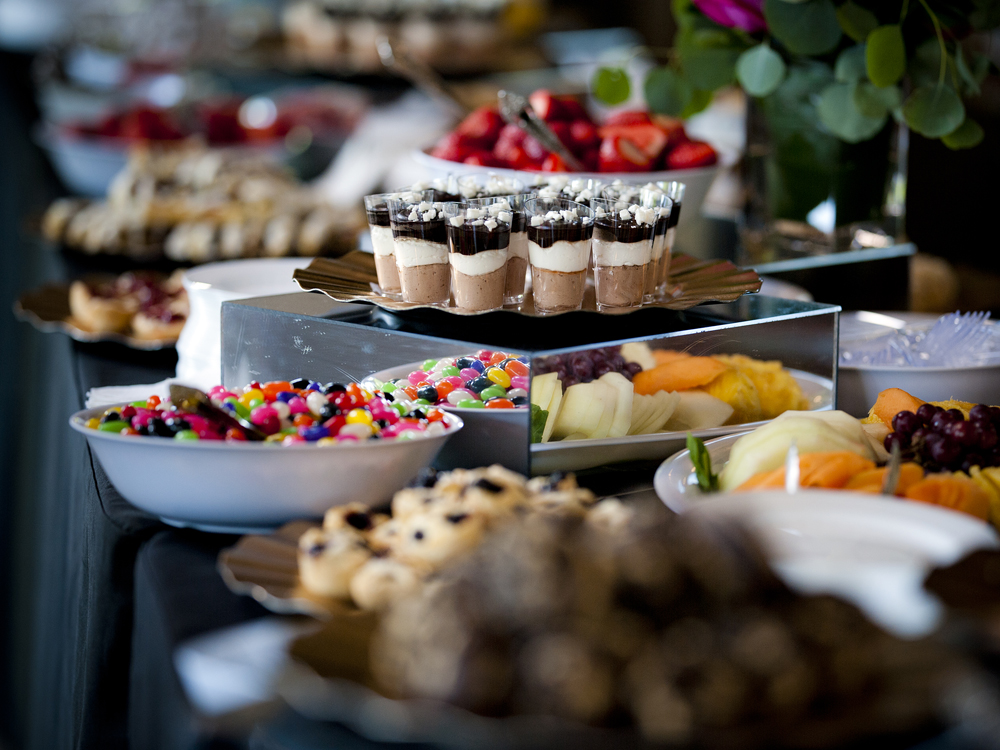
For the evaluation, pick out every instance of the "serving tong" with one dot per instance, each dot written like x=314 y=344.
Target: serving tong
x=198 y=402
x=516 y=110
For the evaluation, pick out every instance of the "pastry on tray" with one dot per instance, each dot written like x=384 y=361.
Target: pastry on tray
x=148 y=306
x=196 y=204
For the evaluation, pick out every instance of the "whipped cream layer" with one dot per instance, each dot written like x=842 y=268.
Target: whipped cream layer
x=518 y=245
x=621 y=253
x=382 y=242
x=563 y=256
x=414 y=252
x=481 y=263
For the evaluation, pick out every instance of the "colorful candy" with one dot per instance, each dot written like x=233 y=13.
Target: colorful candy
x=292 y=412
x=469 y=382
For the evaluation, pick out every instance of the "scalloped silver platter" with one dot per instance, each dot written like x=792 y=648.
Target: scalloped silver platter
x=352 y=278
x=47 y=309
x=577 y=455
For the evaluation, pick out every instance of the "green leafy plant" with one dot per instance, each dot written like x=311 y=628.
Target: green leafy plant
x=904 y=59
x=702 y=462
x=538 y=418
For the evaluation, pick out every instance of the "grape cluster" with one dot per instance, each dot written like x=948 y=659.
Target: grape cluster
x=940 y=439
x=583 y=367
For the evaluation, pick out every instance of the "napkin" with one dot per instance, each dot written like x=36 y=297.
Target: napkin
x=118 y=394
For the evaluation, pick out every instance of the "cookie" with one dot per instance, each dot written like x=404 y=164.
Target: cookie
x=329 y=559
x=381 y=581
x=428 y=540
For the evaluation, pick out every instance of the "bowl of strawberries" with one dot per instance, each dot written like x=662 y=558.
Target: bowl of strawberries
x=634 y=146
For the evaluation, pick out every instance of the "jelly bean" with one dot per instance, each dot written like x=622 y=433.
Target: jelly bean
x=299 y=383
x=494 y=391
x=519 y=381
x=314 y=386
x=443 y=389
x=187 y=435
x=263 y=412
x=281 y=409
x=479 y=384
x=400 y=409
x=457 y=395
x=499 y=377
x=411 y=391
x=292 y=440
x=365 y=395
x=255 y=402
x=277 y=437
x=515 y=367
x=422 y=384
x=209 y=435
x=469 y=374
x=435 y=415
x=316 y=401
x=235 y=434
x=388 y=387
x=196 y=422
x=499 y=403
x=128 y=412
x=114 y=425
x=483 y=355
x=242 y=412
x=254 y=394
x=454 y=380
x=138 y=404
x=470 y=403
x=153 y=401
x=522 y=359
x=303 y=420
x=358 y=430
x=450 y=371
x=436 y=428
x=272 y=389
x=421 y=402
x=298 y=405
x=286 y=396
x=314 y=432
x=478 y=367
x=428 y=365
x=332 y=387
x=416 y=376
x=359 y=416
x=129 y=431
x=516 y=393
x=326 y=441
x=497 y=358
x=519 y=400
x=407 y=435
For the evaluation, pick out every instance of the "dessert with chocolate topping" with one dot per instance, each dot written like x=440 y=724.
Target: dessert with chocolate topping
x=377 y=210
x=478 y=241
x=622 y=245
x=559 y=237
x=421 y=249
x=579 y=190
x=675 y=191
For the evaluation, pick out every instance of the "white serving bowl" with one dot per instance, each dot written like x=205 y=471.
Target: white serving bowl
x=249 y=486
x=490 y=435
x=199 y=348
x=698 y=182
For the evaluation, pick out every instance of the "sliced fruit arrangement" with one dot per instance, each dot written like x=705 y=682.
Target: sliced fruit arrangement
x=837 y=451
x=630 y=141
x=633 y=390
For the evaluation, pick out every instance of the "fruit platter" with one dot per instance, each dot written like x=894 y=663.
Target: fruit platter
x=942 y=454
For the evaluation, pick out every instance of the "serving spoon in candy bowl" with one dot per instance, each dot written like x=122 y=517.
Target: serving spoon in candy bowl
x=198 y=402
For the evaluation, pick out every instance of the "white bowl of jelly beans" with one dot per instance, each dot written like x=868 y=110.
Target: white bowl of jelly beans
x=484 y=380
x=326 y=444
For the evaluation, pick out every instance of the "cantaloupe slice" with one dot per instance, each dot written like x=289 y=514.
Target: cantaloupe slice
x=827 y=469
x=891 y=401
x=957 y=492
x=680 y=375
x=666 y=356
x=873 y=479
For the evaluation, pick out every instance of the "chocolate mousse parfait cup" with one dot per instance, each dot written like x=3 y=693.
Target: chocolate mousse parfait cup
x=559 y=238
x=377 y=210
x=421 y=249
x=517 y=252
x=478 y=241
x=661 y=204
x=622 y=248
x=675 y=191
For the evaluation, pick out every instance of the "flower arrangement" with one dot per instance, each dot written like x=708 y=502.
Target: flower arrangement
x=855 y=63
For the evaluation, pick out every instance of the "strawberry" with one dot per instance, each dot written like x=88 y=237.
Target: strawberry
x=649 y=138
x=509 y=145
x=554 y=163
x=535 y=150
x=628 y=117
x=690 y=155
x=454 y=147
x=571 y=109
x=618 y=154
x=674 y=129
x=482 y=126
x=583 y=135
x=482 y=159
x=562 y=131
x=590 y=159
x=545 y=105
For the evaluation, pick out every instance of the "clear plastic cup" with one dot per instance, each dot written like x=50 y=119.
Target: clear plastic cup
x=478 y=241
x=559 y=244
x=659 y=265
x=421 y=248
x=622 y=249
x=377 y=210
x=675 y=191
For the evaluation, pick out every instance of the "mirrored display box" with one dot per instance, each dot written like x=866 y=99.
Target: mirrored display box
x=608 y=389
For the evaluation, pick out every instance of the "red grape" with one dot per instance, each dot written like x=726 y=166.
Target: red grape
x=944 y=450
x=897 y=437
x=926 y=412
x=905 y=422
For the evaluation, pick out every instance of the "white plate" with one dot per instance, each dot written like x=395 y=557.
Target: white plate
x=870 y=549
x=576 y=455
x=245 y=487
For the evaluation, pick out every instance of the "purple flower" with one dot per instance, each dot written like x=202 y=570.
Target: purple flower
x=735 y=14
